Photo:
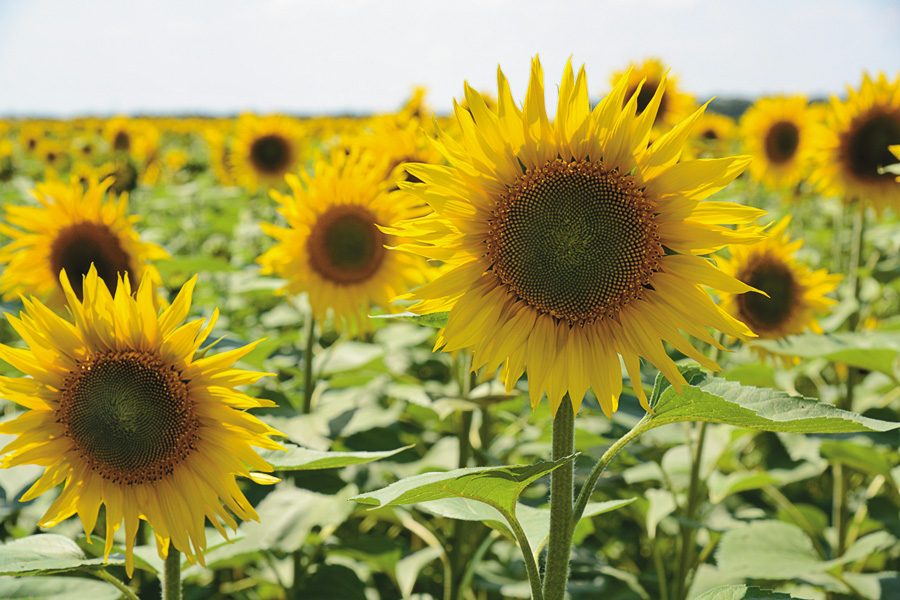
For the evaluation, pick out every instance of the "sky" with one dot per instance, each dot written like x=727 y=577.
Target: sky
x=102 y=57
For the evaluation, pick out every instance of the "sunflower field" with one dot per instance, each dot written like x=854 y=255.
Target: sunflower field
x=605 y=340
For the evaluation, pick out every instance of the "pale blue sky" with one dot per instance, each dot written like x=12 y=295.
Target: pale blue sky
x=67 y=57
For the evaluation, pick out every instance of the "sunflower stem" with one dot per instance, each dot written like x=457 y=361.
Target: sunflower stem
x=172 y=575
x=461 y=529
x=840 y=515
x=584 y=496
x=308 y=380
x=127 y=592
x=686 y=530
x=562 y=492
x=534 y=575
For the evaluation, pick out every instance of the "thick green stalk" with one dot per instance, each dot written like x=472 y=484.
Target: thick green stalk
x=308 y=381
x=562 y=482
x=172 y=575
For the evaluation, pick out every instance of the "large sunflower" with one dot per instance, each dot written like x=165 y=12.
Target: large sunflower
x=796 y=293
x=573 y=243
x=776 y=132
x=644 y=79
x=265 y=150
x=72 y=228
x=852 y=147
x=333 y=248
x=123 y=413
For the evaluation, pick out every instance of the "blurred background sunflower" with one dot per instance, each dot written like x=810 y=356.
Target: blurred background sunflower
x=851 y=147
x=74 y=226
x=776 y=132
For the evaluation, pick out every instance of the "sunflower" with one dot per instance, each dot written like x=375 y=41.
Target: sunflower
x=573 y=242
x=265 y=150
x=333 y=248
x=795 y=292
x=715 y=132
x=122 y=411
x=73 y=228
x=7 y=169
x=219 y=155
x=852 y=147
x=400 y=144
x=644 y=79
x=895 y=167
x=776 y=132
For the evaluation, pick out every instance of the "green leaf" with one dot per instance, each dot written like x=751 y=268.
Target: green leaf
x=287 y=517
x=298 y=458
x=534 y=521
x=496 y=486
x=777 y=550
x=437 y=320
x=742 y=592
x=46 y=553
x=862 y=458
x=333 y=582
x=768 y=550
x=721 y=486
x=97 y=545
x=56 y=588
x=718 y=401
x=409 y=567
x=871 y=350
x=755 y=373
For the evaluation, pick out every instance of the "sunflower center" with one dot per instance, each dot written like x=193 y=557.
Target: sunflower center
x=867 y=145
x=345 y=246
x=782 y=141
x=575 y=240
x=129 y=415
x=270 y=154
x=125 y=177
x=774 y=278
x=78 y=246
x=122 y=141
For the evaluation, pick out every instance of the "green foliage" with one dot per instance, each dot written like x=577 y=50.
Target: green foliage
x=46 y=554
x=742 y=592
x=498 y=487
x=715 y=400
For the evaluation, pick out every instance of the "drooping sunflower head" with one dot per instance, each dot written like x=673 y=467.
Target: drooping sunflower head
x=73 y=228
x=573 y=242
x=121 y=411
x=795 y=293
x=644 y=79
x=776 y=132
x=265 y=150
x=333 y=247
x=851 y=149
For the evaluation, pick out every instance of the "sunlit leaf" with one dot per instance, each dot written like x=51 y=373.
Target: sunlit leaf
x=46 y=553
x=298 y=458
x=718 y=401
